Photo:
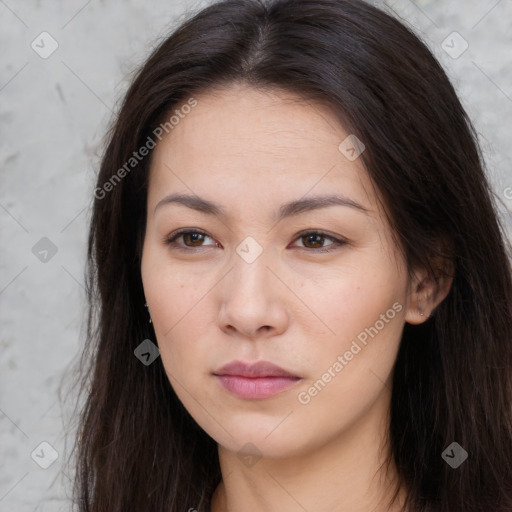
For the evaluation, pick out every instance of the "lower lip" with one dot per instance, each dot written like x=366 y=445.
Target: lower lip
x=256 y=387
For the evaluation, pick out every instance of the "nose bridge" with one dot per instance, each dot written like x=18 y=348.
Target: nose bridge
x=251 y=295
x=250 y=262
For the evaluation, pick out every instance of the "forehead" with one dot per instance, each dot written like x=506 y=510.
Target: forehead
x=250 y=147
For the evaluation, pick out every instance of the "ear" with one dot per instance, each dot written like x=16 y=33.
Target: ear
x=428 y=289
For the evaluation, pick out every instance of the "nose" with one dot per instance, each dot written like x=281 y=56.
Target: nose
x=254 y=301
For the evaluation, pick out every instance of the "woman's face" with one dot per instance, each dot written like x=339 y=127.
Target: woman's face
x=328 y=308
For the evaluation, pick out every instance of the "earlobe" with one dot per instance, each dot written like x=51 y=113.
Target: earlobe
x=420 y=297
x=426 y=294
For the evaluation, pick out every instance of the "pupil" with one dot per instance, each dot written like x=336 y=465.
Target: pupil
x=194 y=236
x=312 y=237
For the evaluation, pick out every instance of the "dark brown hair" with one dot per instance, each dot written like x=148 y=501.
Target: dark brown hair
x=138 y=449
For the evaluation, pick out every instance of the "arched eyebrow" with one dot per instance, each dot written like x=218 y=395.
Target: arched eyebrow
x=289 y=209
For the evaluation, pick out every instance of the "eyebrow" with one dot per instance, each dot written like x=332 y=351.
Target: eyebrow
x=286 y=210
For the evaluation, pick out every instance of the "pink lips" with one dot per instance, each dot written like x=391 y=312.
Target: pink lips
x=258 y=380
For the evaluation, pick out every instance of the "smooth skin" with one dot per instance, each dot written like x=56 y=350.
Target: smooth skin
x=250 y=151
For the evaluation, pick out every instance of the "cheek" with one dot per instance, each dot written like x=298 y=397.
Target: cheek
x=361 y=314
x=178 y=304
x=349 y=370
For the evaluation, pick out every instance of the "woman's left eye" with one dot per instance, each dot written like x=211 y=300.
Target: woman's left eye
x=317 y=237
x=194 y=236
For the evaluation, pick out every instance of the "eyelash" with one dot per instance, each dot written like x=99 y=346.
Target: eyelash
x=169 y=240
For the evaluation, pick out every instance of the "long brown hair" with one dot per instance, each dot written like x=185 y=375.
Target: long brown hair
x=138 y=448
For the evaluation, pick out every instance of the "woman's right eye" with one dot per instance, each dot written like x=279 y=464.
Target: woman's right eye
x=192 y=238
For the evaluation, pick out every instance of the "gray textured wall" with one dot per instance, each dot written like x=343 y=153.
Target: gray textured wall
x=54 y=109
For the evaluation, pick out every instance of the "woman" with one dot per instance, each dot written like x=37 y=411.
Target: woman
x=295 y=195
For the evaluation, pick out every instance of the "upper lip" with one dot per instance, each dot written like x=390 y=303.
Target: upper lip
x=258 y=369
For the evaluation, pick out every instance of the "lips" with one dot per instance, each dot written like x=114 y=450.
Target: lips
x=258 y=369
x=255 y=381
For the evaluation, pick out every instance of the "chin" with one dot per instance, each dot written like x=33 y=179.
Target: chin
x=268 y=442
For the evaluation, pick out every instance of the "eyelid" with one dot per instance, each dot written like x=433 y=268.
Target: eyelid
x=337 y=241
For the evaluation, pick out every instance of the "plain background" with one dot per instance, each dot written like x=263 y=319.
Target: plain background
x=53 y=115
